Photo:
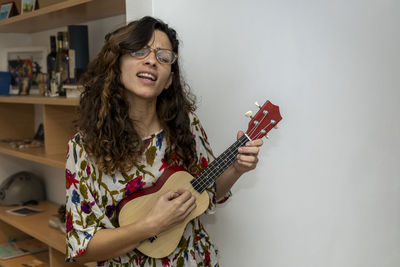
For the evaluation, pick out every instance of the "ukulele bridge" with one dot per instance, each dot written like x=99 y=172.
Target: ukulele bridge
x=152 y=239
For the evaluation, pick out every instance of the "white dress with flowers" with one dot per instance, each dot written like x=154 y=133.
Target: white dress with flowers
x=92 y=198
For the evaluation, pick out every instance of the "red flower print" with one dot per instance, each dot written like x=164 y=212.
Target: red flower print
x=138 y=260
x=204 y=162
x=222 y=201
x=134 y=185
x=207 y=257
x=80 y=252
x=164 y=165
x=69 y=222
x=70 y=179
x=88 y=171
x=165 y=262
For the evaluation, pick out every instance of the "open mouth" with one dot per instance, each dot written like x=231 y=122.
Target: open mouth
x=146 y=75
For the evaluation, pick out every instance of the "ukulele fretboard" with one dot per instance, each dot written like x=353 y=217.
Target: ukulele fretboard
x=218 y=166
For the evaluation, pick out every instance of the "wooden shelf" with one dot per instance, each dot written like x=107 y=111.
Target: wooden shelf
x=60 y=101
x=37 y=225
x=36 y=154
x=19 y=261
x=61 y=14
x=58 y=119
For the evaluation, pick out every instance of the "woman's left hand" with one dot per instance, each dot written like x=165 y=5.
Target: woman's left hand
x=248 y=155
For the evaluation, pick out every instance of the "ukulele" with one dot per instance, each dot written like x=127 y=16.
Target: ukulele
x=137 y=205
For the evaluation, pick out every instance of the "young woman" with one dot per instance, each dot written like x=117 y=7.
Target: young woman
x=136 y=119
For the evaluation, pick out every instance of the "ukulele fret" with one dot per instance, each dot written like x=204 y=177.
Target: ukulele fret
x=218 y=166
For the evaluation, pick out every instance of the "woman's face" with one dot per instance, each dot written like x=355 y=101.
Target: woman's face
x=146 y=78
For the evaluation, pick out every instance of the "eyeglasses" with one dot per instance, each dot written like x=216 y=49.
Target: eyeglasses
x=164 y=56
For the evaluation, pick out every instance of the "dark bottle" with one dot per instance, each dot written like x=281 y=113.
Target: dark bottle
x=51 y=57
x=65 y=59
x=62 y=62
x=58 y=69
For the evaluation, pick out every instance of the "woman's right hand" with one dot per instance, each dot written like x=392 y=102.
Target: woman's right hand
x=170 y=209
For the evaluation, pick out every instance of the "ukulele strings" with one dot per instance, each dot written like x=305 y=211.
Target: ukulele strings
x=251 y=132
x=218 y=166
x=215 y=169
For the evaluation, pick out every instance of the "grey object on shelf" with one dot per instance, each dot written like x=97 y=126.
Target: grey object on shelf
x=21 y=188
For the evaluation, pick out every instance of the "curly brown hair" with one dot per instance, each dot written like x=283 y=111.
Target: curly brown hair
x=109 y=134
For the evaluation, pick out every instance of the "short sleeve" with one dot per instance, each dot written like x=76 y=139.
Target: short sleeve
x=205 y=156
x=82 y=213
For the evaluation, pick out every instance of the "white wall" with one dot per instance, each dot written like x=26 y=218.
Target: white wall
x=137 y=9
x=327 y=188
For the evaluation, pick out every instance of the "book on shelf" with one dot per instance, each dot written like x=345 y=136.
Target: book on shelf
x=22 y=247
x=73 y=90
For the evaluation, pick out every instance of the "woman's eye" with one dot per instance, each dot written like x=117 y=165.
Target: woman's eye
x=140 y=53
x=164 y=56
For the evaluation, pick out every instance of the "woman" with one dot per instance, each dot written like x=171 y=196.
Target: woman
x=136 y=119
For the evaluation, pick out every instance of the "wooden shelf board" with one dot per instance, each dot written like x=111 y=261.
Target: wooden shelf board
x=36 y=154
x=61 y=14
x=36 y=225
x=61 y=101
x=19 y=261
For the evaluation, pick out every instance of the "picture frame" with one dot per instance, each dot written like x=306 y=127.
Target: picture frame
x=8 y=10
x=34 y=58
x=29 y=5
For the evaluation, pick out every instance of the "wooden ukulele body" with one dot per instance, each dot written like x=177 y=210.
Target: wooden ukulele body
x=136 y=207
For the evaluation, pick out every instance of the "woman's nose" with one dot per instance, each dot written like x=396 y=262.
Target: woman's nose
x=151 y=58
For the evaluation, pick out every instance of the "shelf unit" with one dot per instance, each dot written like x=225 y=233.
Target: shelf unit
x=17 y=122
x=17 y=115
x=36 y=226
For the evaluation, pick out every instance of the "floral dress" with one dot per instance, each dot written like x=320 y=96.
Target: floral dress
x=92 y=198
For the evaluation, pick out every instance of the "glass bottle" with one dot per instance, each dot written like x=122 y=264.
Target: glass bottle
x=51 y=58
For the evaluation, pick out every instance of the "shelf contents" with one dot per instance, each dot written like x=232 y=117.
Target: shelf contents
x=19 y=248
x=8 y=10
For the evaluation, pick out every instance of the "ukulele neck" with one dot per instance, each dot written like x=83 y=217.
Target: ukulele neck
x=202 y=181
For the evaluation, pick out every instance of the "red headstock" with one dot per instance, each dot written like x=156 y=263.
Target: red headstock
x=266 y=118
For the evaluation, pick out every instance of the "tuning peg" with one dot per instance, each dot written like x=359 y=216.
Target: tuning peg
x=276 y=127
x=267 y=136
x=258 y=105
x=249 y=114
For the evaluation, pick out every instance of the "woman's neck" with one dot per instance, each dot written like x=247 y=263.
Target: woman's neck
x=144 y=115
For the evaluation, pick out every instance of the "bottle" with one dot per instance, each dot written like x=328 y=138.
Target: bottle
x=51 y=59
x=54 y=84
x=62 y=61
x=65 y=59
x=58 y=68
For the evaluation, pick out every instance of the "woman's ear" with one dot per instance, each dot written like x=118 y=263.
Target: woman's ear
x=169 y=82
